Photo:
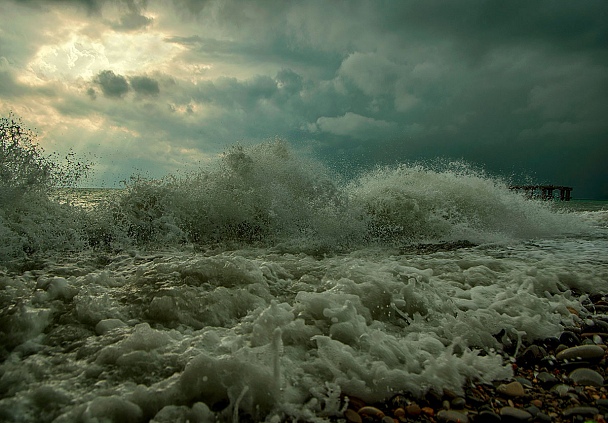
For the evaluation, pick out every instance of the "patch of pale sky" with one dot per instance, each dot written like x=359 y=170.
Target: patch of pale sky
x=83 y=57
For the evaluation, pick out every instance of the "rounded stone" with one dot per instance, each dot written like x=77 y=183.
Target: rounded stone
x=532 y=354
x=525 y=382
x=512 y=414
x=532 y=409
x=352 y=416
x=458 y=402
x=561 y=389
x=602 y=403
x=413 y=410
x=542 y=418
x=582 y=352
x=513 y=389
x=400 y=414
x=581 y=411
x=487 y=417
x=546 y=379
x=587 y=377
x=371 y=412
x=451 y=416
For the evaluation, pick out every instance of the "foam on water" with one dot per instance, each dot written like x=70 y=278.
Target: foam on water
x=263 y=288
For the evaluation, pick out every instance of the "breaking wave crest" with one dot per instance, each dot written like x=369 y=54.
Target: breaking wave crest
x=267 y=195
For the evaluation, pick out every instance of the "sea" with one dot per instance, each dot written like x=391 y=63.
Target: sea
x=267 y=287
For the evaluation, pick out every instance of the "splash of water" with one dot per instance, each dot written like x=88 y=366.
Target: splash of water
x=29 y=221
x=268 y=196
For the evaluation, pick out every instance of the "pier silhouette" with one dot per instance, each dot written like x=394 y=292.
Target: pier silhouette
x=544 y=192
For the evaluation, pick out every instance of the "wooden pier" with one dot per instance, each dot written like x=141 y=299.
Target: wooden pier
x=544 y=192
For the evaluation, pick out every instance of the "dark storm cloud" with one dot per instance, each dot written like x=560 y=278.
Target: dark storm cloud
x=290 y=81
x=231 y=93
x=144 y=85
x=516 y=87
x=487 y=24
x=111 y=84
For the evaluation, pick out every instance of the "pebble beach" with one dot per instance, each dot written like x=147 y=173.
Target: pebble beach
x=559 y=379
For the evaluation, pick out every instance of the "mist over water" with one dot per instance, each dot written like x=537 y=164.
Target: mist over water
x=266 y=286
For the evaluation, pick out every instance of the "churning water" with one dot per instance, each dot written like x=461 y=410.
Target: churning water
x=264 y=288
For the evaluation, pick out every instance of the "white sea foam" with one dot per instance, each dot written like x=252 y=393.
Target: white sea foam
x=263 y=289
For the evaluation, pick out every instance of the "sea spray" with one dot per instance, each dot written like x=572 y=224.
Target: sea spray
x=267 y=195
x=197 y=297
x=30 y=222
x=449 y=202
x=261 y=195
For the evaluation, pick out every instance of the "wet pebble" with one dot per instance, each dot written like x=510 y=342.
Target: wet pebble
x=371 y=412
x=546 y=379
x=533 y=410
x=428 y=411
x=451 y=416
x=582 y=352
x=413 y=410
x=400 y=414
x=355 y=403
x=512 y=414
x=602 y=404
x=352 y=416
x=532 y=354
x=458 y=402
x=581 y=411
x=487 y=417
x=513 y=389
x=561 y=389
x=525 y=382
x=542 y=418
x=569 y=338
x=587 y=377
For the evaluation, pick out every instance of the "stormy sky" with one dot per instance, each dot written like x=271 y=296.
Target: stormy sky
x=519 y=88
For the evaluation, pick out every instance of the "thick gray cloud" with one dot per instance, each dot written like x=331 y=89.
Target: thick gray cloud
x=518 y=88
x=144 y=85
x=112 y=85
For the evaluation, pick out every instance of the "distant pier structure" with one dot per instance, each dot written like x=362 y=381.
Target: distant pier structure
x=545 y=192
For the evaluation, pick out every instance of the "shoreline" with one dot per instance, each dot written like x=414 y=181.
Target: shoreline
x=556 y=380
